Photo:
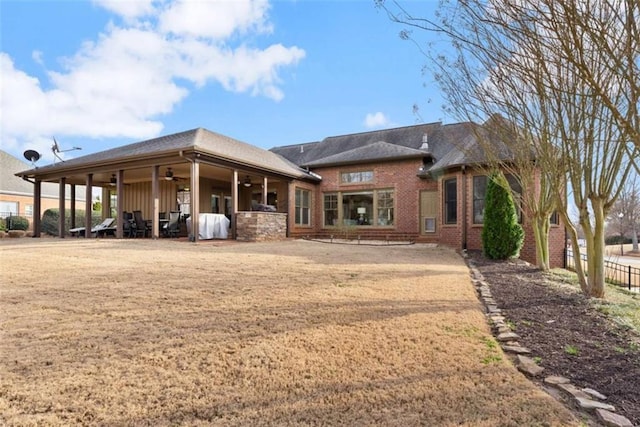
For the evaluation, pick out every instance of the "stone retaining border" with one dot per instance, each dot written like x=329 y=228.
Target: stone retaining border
x=586 y=399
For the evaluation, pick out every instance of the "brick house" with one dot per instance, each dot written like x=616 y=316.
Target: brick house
x=420 y=182
x=416 y=182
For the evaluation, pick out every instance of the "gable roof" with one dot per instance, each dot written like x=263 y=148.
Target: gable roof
x=449 y=146
x=199 y=140
x=371 y=152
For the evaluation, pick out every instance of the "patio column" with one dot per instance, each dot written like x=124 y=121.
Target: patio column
x=155 y=195
x=119 y=203
x=37 y=208
x=195 y=200
x=264 y=190
x=72 y=207
x=234 y=202
x=88 y=206
x=61 y=205
x=106 y=202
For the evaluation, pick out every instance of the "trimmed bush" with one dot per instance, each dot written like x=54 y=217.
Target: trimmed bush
x=502 y=236
x=51 y=217
x=17 y=223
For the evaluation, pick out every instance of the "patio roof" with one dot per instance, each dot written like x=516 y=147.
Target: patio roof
x=198 y=143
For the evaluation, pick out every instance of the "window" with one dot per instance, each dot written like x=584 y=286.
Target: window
x=330 y=209
x=516 y=193
x=28 y=210
x=215 y=203
x=450 y=201
x=184 y=201
x=8 y=209
x=479 y=194
x=356 y=177
x=303 y=198
x=362 y=208
x=555 y=218
x=357 y=208
x=228 y=206
x=385 y=207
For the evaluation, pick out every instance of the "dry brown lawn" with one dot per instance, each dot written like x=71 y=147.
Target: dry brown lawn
x=140 y=332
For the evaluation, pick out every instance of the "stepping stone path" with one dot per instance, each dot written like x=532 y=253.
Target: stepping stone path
x=587 y=399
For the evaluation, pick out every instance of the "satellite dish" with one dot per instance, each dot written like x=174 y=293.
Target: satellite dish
x=32 y=155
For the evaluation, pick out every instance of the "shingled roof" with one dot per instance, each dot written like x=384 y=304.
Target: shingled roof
x=200 y=140
x=449 y=145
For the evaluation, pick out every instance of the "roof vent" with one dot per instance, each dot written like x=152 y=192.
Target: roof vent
x=302 y=148
x=425 y=142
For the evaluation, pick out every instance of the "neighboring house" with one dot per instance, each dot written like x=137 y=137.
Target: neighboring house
x=16 y=194
x=416 y=182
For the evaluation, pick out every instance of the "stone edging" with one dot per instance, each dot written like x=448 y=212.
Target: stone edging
x=586 y=399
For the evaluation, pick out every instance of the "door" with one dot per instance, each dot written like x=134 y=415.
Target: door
x=428 y=211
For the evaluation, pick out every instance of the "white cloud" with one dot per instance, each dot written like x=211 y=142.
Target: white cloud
x=215 y=19
x=128 y=9
x=36 y=55
x=124 y=81
x=376 y=120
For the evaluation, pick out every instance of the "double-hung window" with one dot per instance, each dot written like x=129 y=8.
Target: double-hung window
x=303 y=207
x=479 y=194
x=450 y=201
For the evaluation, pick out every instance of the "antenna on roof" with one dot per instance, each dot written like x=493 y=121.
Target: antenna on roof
x=55 y=148
x=32 y=155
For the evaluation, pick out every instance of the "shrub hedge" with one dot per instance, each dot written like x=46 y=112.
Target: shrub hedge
x=51 y=217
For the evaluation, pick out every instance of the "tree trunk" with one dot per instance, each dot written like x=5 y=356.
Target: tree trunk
x=541 y=236
x=595 y=253
x=577 y=261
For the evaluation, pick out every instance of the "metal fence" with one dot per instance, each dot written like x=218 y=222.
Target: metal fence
x=617 y=274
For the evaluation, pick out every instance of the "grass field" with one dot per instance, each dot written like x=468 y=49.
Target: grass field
x=141 y=332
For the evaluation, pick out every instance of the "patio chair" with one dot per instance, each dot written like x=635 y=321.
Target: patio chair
x=140 y=224
x=172 y=228
x=127 y=224
x=79 y=231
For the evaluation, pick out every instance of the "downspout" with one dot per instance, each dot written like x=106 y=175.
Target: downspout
x=464 y=208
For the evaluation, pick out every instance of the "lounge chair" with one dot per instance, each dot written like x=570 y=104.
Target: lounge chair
x=102 y=227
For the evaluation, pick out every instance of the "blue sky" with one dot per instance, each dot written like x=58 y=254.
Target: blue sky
x=103 y=73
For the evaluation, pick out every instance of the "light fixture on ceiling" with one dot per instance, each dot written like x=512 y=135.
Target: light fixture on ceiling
x=247 y=182
x=168 y=175
x=113 y=180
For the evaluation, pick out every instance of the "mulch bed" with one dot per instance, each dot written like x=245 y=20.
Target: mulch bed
x=549 y=317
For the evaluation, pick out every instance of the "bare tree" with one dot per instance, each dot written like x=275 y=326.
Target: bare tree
x=625 y=213
x=526 y=60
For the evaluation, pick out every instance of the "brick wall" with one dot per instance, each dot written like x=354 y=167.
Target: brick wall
x=401 y=176
x=261 y=226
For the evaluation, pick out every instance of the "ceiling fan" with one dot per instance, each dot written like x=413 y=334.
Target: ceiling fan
x=169 y=176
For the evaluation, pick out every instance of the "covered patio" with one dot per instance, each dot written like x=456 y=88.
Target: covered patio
x=192 y=172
